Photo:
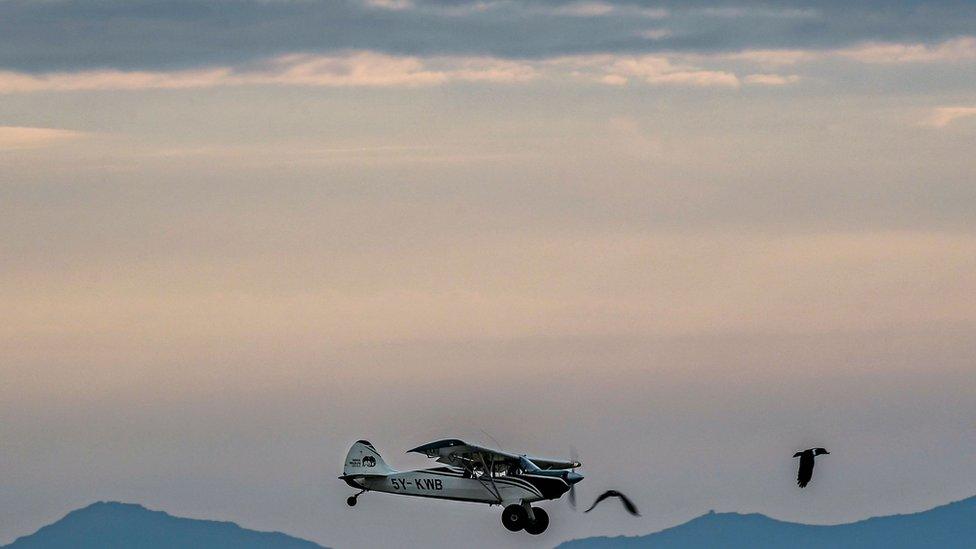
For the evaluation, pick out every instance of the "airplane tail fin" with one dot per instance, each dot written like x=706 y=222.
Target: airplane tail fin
x=363 y=459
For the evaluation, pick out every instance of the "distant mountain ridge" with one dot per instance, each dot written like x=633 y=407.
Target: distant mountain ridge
x=946 y=526
x=113 y=525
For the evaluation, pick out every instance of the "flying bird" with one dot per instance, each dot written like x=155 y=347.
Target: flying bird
x=628 y=505
x=805 y=472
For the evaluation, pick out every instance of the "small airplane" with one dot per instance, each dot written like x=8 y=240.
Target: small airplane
x=472 y=473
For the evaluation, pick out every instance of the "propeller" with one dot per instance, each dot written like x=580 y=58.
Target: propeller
x=493 y=439
x=574 y=457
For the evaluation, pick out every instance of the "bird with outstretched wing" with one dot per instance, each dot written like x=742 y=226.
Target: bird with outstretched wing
x=628 y=505
x=807 y=457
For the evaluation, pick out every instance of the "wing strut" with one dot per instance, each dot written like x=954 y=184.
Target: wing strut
x=490 y=471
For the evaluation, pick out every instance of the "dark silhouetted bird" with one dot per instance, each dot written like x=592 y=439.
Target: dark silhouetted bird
x=628 y=505
x=805 y=472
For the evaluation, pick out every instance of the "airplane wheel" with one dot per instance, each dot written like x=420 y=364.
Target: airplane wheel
x=351 y=501
x=514 y=517
x=540 y=524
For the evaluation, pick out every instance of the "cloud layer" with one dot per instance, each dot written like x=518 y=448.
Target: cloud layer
x=62 y=35
x=375 y=69
x=371 y=69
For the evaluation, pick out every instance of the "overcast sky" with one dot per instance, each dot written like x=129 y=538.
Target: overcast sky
x=687 y=238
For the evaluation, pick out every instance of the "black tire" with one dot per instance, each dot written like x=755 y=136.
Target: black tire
x=514 y=517
x=351 y=501
x=541 y=522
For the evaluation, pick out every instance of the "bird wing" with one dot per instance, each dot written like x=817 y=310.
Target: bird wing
x=629 y=505
x=600 y=498
x=805 y=473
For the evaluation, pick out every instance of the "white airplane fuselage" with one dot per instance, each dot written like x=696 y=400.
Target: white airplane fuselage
x=450 y=483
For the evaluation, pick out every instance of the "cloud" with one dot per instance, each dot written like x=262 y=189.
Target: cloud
x=20 y=137
x=889 y=53
x=655 y=34
x=357 y=69
x=600 y=9
x=614 y=80
x=367 y=68
x=736 y=12
x=354 y=69
x=959 y=49
x=465 y=9
x=392 y=5
x=943 y=116
x=584 y=9
x=661 y=71
x=15 y=82
x=70 y=35
x=618 y=70
x=766 y=58
x=372 y=69
x=771 y=79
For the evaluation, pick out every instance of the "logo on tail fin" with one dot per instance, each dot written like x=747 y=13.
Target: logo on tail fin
x=369 y=461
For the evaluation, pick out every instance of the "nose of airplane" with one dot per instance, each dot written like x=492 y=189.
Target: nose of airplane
x=573 y=477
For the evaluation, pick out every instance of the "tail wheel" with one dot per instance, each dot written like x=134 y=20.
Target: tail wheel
x=540 y=523
x=351 y=501
x=514 y=517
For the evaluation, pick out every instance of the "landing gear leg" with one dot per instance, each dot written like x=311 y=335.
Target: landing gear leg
x=540 y=523
x=351 y=500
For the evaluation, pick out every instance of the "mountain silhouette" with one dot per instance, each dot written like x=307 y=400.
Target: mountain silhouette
x=112 y=525
x=948 y=526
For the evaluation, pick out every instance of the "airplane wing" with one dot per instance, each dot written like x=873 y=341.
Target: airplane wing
x=544 y=464
x=458 y=453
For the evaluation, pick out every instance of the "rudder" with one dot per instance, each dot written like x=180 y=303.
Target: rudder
x=363 y=459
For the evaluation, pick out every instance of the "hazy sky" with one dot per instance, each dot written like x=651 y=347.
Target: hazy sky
x=688 y=238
